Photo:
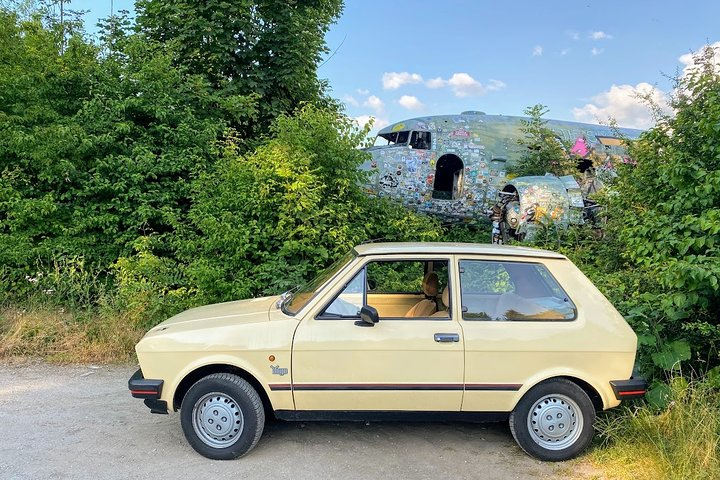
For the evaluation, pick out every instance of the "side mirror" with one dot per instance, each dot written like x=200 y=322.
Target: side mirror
x=368 y=317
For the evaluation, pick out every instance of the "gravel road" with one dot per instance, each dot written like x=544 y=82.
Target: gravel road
x=80 y=422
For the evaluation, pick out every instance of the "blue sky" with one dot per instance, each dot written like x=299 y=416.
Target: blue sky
x=583 y=59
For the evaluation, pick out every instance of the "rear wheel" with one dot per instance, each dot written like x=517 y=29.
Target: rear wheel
x=554 y=421
x=222 y=416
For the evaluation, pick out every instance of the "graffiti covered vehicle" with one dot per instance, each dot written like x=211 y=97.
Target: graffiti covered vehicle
x=456 y=166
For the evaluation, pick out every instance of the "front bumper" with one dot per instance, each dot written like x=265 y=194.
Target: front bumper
x=626 y=389
x=149 y=390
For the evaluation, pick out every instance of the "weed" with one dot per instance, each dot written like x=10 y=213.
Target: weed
x=679 y=441
x=66 y=337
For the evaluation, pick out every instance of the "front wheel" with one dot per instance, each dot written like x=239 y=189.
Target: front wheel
x=553 y=421
x=222 y=416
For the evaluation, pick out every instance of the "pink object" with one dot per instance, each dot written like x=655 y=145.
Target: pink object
x=580 y=148
x=460 y=133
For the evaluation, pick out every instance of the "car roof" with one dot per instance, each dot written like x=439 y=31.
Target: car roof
x=453 y=248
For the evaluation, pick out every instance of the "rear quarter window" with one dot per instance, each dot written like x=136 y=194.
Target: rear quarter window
x=512 y=291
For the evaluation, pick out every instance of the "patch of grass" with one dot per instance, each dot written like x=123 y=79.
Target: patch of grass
x=60 y=336
x=680 y=441
x=71 y=313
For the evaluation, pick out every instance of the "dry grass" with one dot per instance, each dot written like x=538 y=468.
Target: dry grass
x=67 y=337
x=681 y=441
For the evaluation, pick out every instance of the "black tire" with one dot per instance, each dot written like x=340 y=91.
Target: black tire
x=554 y=421
x=222 y=416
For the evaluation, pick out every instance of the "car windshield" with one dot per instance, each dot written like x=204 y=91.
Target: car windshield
x=296 y=301
x=392 y=138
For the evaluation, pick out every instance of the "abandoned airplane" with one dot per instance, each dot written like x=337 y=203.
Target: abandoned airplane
x=456 y=166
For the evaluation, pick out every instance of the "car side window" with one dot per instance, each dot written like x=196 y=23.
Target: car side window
x=397 y=289
x=395 y=277
x=403 y=289
x=349 y=301
x=514 y=291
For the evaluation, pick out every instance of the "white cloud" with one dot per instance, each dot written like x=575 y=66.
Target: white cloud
x=375 y=103
x=410 y=102
x=574 y=35
x=600 y=35
x=564 y=52
x=378 y=123
x=350 y=100
x=395 y=80
x=495 y=85
x=623 y=104
x=596 y=51
x=363 y=91
x=537 y=51
x=463 y=85
x=689 y=61
x=436 y=83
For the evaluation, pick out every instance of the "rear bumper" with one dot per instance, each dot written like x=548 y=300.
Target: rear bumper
x=148 y=389
x=626 y=389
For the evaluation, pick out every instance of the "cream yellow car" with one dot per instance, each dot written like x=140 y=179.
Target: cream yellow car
x=400 y=331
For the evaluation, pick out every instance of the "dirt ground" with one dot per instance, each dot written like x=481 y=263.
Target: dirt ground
x=80 y=422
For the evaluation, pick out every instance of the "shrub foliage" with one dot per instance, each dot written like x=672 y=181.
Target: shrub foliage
x=656 y=254
x=173 y=169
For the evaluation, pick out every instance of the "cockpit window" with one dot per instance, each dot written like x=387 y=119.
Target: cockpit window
x=392 y=138
x=613 y=145
x=420 y=140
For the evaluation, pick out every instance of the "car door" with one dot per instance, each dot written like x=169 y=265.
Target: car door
x=400 y=363
x=517 y=322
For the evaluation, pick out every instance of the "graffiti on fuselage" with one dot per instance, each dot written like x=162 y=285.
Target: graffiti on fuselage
x=455 y=165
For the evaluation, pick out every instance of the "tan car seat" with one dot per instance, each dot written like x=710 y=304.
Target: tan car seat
x=426 y=307
x=446 y=302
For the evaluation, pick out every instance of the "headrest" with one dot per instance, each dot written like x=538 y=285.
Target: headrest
x=430 y=284
x=446 y=296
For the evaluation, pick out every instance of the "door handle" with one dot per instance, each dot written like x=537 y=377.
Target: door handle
x=447 y=337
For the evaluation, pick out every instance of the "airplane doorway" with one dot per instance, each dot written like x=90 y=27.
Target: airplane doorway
x=448 y=178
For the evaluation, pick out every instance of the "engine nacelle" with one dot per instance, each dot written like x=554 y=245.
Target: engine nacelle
x=526 y=202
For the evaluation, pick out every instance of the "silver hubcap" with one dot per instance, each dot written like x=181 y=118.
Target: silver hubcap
x=217 y=420
x=555 y=422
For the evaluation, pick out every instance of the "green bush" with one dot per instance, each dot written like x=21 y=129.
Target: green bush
x=666 y=215
x=679 y=441
x=268 y=220
x=149 y=289
x=655 y=252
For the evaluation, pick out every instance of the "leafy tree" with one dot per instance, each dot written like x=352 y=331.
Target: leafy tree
x=656 y=257
x=269 y=48
x=669 y=210
x=112 y=148
x=544 y=152
x=149 y=129
x=272 y=218
x=40 y=92
x=97 y=147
